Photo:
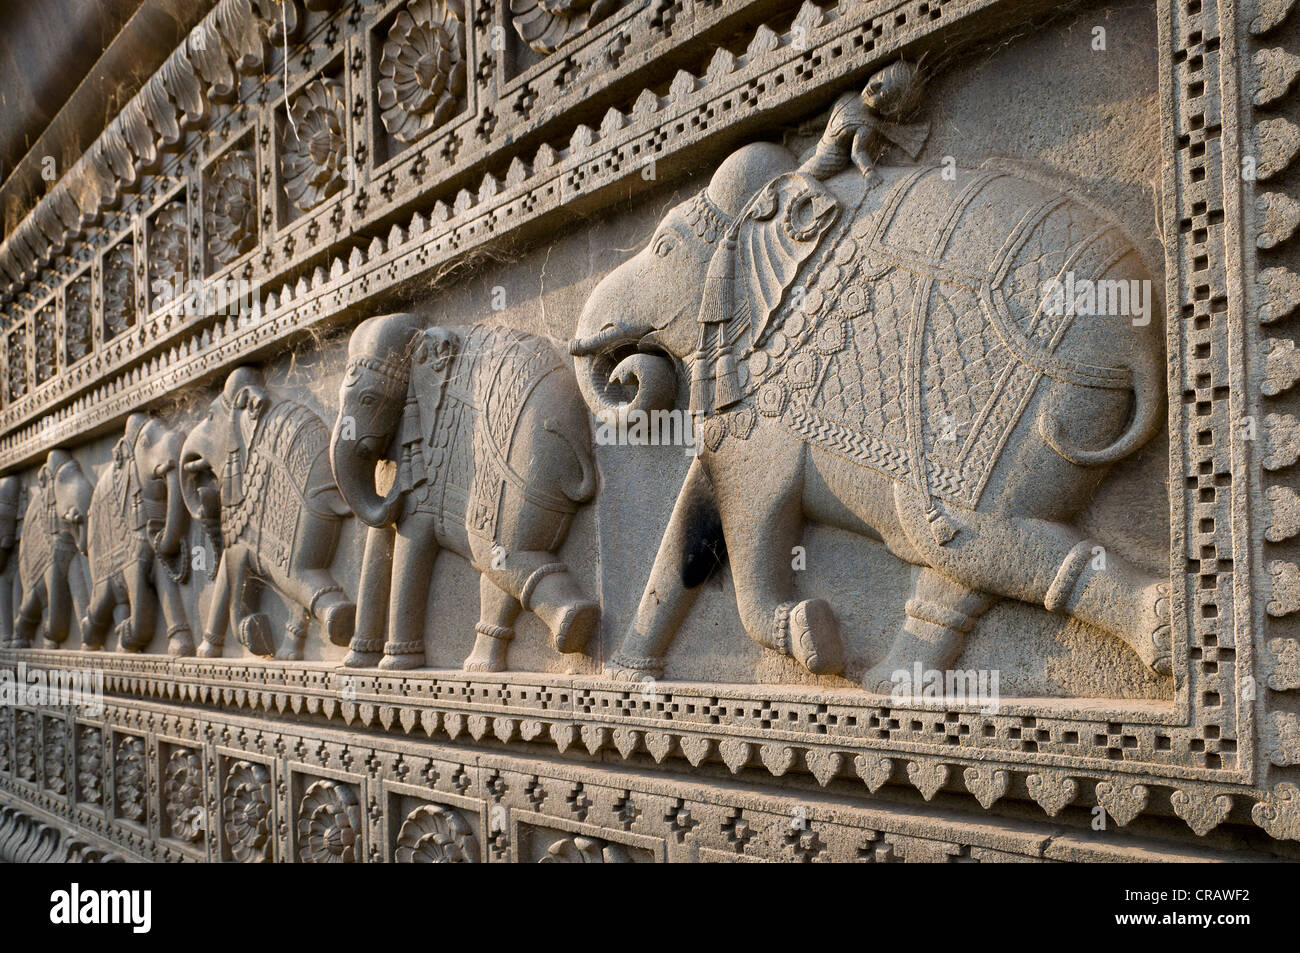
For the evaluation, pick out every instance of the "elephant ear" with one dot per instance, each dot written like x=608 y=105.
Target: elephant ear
x=431 y=363
x=253 y=401
x=781 y=228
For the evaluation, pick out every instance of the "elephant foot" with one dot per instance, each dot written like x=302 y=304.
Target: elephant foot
x=628 y=668
x=364 y=653
x=576 y=626
x=255 y=633
x=812 y=636
x=491 y=645
x=1155 y=644
x=911 y=654
x=180 y=643
x=295 y=638
x=553 y=596
x=126 y=640
x=209 y=648
x=338 y=622
x=401 y=656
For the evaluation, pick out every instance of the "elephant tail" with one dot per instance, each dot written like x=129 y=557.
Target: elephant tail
x=1148 y=411
x=586 y=487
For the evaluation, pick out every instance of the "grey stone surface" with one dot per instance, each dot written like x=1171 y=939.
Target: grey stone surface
x=600 y=426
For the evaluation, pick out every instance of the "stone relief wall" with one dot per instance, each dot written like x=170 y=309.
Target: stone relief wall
x=322 y=377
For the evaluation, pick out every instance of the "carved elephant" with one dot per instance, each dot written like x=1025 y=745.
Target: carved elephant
x=11 y=489
x=255 y=473
x=490 y=445
x=54 y=532
x=882 y=353
x=136 y=542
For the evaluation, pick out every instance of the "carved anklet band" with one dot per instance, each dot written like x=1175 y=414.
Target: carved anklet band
x=413 y=647
x=538 y=574
x=320 y=594
x=939 y=615
x=781 y=627
x=177 y=630
x=494 y=631
x=647 y=664
x=1058 y=593
x=366 y=646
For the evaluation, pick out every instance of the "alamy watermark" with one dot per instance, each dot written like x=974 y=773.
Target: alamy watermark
x=642 y=428
x=59 y=688
x=228 y=297
x=932 y=688
x=1099 y=296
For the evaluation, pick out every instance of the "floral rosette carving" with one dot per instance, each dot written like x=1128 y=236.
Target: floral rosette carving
x=168 y=250
x=183 y=795
x=129 y=774
x=422 y=68
x=545 y=25
x=45 y=353
x=90 y=765
x=56 y=755
x=433 y=834
x=25 y=747
x=246 y=812
x=230 y=207
x=329 y=824
x=315 y=147
x=77 y=335
x=119 y=290
x=585 y=850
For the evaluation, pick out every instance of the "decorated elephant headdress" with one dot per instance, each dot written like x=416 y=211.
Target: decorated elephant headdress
x=766 y=231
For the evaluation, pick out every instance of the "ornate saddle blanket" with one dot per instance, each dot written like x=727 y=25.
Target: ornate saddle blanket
x=273 y=489
x=925 y=343
x=459 y=462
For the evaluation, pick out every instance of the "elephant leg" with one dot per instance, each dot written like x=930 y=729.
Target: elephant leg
x=218 y=620
x=30 y=613
x=137 y=632
x=544 y=586
x=99 y=616
x=318 y=592
x=690 y=552
x=938 y=617
x=180 y=641
x=367 y=645
x=295 y=635
x=761 y=532
x=252 y=627
x=214 y=626
x=59 y=618
x=6 y=610
x=498 y=610
x=1050 y=564
x=414 y=553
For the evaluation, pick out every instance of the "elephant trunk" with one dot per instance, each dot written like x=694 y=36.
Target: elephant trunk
x=615 y=378
x=177 y=520
x=1147 y=418
x=353 y=463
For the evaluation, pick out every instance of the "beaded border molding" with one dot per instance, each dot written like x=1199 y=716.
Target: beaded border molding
x=543 y=142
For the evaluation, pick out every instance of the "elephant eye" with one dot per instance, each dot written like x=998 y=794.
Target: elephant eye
x=664 y=245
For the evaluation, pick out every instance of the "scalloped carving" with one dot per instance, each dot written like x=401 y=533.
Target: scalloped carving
x=1203 y=810
x=987 y=783
x=1052 y=790
x=1122 y=799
